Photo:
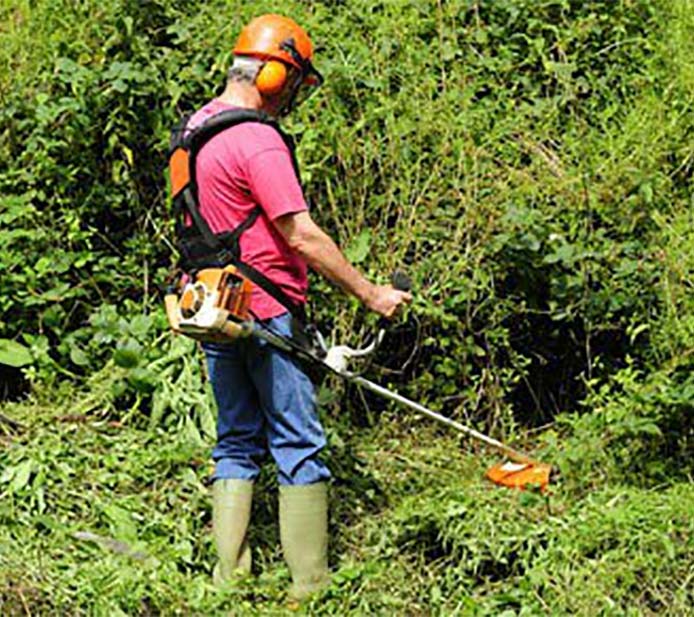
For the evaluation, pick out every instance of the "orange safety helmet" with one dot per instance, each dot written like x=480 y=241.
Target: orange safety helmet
x=280 y=42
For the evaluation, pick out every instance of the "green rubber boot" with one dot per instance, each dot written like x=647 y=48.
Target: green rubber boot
x=304 y=536
x=231 y=512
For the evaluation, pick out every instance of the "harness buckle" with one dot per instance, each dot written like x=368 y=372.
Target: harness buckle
x=227 y=256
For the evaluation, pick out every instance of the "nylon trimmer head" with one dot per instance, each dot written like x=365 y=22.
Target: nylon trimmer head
x=521 y=475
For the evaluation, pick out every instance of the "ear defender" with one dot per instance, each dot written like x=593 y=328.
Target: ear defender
x=271 y=78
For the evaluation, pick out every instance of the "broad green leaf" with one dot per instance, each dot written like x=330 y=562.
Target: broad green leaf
x=142 y=379
x=21 y=476
x=359 y=248
x=79 y=357
x=14 y=354
x=139 y=326
x=128 y=354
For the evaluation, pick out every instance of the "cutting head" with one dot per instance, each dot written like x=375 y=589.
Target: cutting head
x=521 y=475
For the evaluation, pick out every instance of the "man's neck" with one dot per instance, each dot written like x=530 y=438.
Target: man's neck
x=241 y=95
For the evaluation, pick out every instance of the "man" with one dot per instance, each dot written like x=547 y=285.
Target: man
x=265 y=401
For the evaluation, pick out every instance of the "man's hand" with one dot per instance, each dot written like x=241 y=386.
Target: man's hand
x=385 y=300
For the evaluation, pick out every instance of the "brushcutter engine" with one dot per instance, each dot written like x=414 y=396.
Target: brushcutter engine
x=211 y=305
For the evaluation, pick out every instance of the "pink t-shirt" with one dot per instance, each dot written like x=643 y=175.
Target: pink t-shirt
x=242 y=167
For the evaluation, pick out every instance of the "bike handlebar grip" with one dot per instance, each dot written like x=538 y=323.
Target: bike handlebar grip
x=401 y=281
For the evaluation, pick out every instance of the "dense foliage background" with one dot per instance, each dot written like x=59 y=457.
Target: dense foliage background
x=528 y=162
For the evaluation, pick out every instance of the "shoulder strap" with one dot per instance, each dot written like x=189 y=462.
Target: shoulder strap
x=196 y=138
x=200 y=135
x=178 y=133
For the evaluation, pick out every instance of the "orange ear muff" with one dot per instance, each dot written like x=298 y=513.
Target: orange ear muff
x=271 y=78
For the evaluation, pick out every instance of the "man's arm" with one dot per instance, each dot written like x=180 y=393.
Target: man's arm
x=319 y=251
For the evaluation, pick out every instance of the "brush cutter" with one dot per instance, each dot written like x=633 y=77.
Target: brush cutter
x=520 y=472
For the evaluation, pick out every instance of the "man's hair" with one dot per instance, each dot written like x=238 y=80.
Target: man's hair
x=244 y=69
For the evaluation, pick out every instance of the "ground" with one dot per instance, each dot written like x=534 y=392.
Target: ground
x=107 y=517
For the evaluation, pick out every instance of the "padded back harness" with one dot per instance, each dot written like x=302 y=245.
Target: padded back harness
x=198 y=245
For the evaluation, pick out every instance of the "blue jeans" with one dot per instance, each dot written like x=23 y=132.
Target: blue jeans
x=265 y=402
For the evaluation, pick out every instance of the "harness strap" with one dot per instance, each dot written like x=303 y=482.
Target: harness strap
x=244 y=226
x=272 y=289
x=199 y=221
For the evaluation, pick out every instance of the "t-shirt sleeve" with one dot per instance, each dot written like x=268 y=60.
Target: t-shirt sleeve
x=273 y=182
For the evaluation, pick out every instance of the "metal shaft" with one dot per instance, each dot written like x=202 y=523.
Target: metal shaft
x=515 y=455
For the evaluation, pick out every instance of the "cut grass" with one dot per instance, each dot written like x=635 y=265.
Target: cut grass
x=415 y=531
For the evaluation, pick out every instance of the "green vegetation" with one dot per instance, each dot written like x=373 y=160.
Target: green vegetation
x=530 y=163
